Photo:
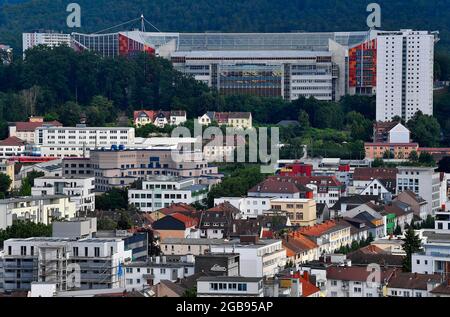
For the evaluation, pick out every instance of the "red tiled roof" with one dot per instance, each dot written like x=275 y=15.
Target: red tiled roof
x=298 y=243
x=272 y=186
x=318 y=230
x=308 y=288
x=415 y=281
x=188 y=221
x=150 y=113
x=354 y=273
x=31 y=126
x=180 y=207
x=12 y=141
x=305 y=180
x=224 y=207
x=368 y=173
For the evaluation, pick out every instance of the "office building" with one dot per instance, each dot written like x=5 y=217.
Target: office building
x=121 y=168
x=77 y=142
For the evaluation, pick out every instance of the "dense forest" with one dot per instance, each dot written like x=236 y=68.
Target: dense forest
x=228 y=16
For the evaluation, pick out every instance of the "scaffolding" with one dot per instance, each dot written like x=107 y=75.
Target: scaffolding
x=52 y=268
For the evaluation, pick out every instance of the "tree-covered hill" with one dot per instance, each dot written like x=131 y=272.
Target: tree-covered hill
x=229 y=16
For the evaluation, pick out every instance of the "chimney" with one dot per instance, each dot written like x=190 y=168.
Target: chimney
x=306 y=275
x=249 y=239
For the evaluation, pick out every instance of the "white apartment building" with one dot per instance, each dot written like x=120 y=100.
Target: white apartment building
x=435 y=256
x=79 y=189
x=54 y=260
x=250 y=207
x=76 y=142
x=162 y=192
x=261 y=258
x=141 y=275
x=405 y=61
x=30 y=40
x=423 y=181
x=230 y=286
x=36 y=209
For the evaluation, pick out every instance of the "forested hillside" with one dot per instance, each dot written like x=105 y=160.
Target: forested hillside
x=230 y=16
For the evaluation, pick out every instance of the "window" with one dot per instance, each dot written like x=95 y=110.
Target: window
x=23 y=250
x=96 y=251
x=75 y=251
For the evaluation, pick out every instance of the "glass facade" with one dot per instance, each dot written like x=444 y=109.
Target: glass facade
x=255 y=79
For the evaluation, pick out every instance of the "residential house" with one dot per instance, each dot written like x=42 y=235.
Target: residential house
x=417 y=203
x=329 y=236
x=326 y=189
x=392 y=139
x=301 y=212
x=300 y=249
x=371 y=215
x=397 y=214
x=12 y=146
x=347 y=203
x=423 y=181
x=239 y=120
x=373 y=254
x=353 y=281
x=275 y=188
x=159 y=118
x=403 y=284
x=364 y=176
x=217 y=222
x=176 y=225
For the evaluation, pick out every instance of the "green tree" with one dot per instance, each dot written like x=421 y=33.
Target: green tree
x=124 y=222
x=5 y=183
x=412 y=244
x=25 y=229
x=425 y=130
x=413 y=157
x=303 y=119
x=106 y=223
x=28 y=182
x=114 y=199
x=377 y=163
